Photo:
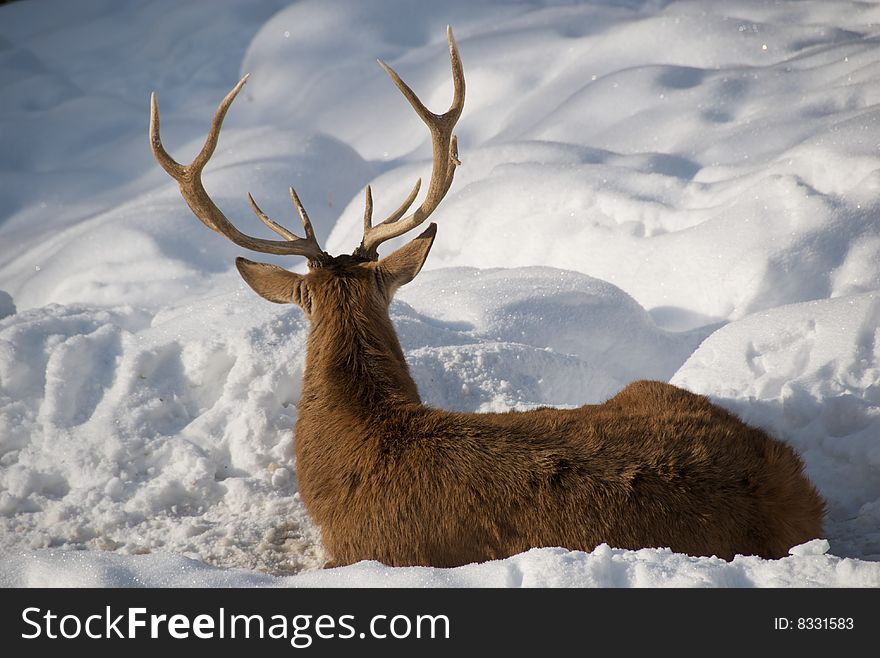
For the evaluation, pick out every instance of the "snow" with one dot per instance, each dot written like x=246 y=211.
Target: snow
x=539 y=567
x=683 y=191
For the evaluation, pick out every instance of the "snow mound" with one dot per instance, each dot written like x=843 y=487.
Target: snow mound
x=174 y=429
x=808 y=566
x=810 y=374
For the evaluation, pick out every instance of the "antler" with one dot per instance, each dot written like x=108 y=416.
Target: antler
x=189 y=179
x=445 y=158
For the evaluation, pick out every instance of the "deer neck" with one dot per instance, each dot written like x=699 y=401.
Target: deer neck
x=355 y=363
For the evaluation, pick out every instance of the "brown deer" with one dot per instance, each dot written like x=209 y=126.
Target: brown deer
x=387 y=478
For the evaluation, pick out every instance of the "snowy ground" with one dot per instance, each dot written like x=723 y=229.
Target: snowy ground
x=685 y=191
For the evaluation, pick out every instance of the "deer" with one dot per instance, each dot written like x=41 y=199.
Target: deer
x=388 y=478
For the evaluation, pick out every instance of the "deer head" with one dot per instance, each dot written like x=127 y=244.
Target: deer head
x=372 y=280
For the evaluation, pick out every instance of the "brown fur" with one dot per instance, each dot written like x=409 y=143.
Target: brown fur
x=387 y=478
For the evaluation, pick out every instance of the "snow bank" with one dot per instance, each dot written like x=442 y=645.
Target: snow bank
x=544 y=567
x=680 y=191
x=171 y=431
x=810 y=373
x=174 y=430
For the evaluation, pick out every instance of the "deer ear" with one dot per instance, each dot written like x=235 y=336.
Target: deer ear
x=274 y=283
x=401 y=266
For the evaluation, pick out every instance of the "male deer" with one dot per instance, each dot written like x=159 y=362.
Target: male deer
x=387 y=478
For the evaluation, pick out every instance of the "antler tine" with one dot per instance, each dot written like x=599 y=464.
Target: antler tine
x=444 y=148
x=368 y=209
x=189 y=180
x=397 y=214
x=303 y=216
x=275 y=226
